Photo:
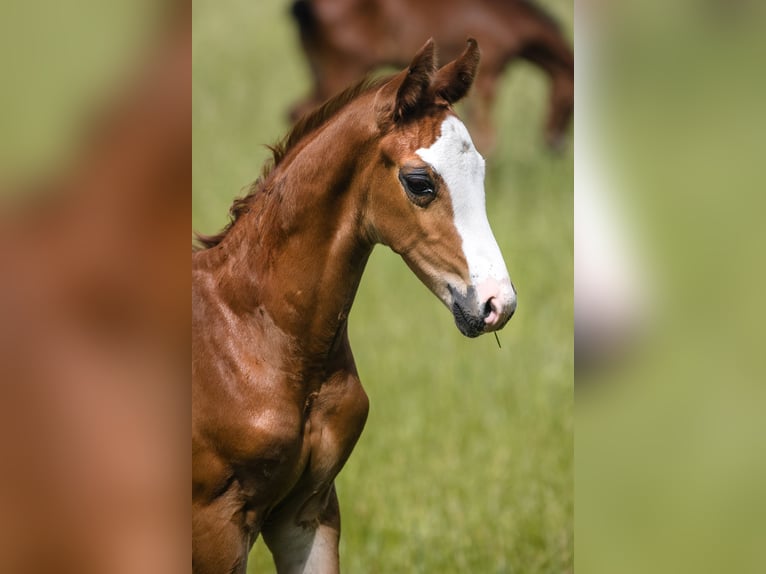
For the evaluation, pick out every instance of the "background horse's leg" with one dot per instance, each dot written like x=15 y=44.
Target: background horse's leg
x=305 y=547
x=333 y=67
x=220 y=543
x=562 y=107
x=332 y=73
x=550 y=51
x=479 y=110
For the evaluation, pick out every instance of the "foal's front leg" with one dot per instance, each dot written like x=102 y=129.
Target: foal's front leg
x=305 y=547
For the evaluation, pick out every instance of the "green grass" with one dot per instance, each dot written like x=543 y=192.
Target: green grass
x=61 y=62
x=465 y=464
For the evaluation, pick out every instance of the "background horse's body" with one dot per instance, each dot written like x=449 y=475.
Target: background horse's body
x=343 y=40
x=277 y=403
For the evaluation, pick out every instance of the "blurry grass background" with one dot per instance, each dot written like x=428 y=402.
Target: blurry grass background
x=465 y=464
x=62 y=63
x=670 y=469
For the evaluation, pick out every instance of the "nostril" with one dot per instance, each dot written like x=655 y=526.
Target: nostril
x=488 y=308
x=491 y=311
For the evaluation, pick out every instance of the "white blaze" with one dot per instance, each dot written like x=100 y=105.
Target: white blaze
x=455 y=158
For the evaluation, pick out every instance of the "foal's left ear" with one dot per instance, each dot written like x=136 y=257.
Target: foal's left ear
x=453 y=80
x=406 y=90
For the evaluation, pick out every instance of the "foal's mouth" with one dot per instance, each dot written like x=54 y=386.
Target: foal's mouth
x=467 y=323
x=473 y=318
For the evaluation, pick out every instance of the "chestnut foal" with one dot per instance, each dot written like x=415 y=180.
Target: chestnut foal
x=277 y=402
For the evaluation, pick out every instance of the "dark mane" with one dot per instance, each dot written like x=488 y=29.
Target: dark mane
x=303 y=127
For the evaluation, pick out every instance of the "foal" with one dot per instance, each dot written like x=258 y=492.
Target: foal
x=277 y=403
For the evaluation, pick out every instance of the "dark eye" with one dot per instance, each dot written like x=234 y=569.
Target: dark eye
x=419 y=187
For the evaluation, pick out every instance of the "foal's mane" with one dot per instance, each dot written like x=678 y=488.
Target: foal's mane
x=303 y=127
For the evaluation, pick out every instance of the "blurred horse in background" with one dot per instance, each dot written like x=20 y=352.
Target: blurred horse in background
x=345 y=39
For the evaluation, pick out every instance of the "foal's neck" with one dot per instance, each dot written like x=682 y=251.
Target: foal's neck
x=299 y=253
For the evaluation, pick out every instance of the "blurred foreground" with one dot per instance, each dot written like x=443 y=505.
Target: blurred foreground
x=94 y=401
x=669 y=441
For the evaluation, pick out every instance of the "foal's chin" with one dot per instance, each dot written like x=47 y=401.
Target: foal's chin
x=472 y=321
x=469 y=324
x=472 y=326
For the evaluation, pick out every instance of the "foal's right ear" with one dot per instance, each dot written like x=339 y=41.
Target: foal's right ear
x=403 y=93
x=453 y=80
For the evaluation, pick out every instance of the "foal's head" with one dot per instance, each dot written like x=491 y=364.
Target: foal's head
x=427 y=197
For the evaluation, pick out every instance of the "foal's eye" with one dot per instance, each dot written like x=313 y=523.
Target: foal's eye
x=419 y=187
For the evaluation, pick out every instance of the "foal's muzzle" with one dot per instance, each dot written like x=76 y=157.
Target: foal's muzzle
x=483 y=310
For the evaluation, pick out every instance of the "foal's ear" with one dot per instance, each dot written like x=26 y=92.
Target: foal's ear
x=453 y=80
x=403 y=93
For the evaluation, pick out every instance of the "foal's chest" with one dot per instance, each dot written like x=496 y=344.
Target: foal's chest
x=291 y=448
x=335 y=416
